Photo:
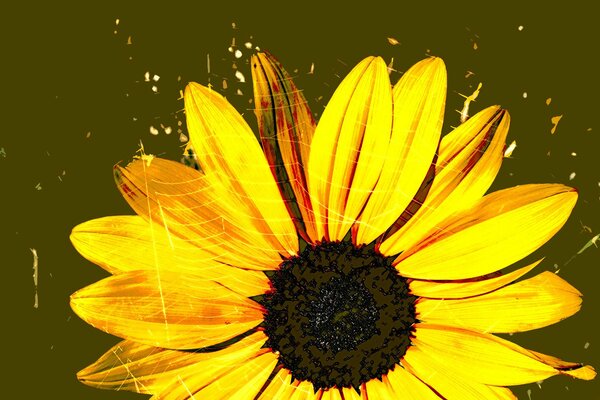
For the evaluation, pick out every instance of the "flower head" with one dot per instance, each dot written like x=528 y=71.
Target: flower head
x=354 y=258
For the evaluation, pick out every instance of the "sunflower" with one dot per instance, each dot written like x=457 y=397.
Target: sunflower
x=356 y=258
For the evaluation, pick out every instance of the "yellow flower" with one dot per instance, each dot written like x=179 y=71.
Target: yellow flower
x=353 y=259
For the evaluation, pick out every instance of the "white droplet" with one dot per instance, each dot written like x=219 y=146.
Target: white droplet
x=524 y=95
x=248 y=45
x=155 y=78
x=168 y=130
x=520 y=27
x=240 y=76
x=586 y=345
x=230 y=49
x=147 y=76
x=572 y=176
x=574 y=154
x=238 y=54
x=153 y=130
x=155 y=89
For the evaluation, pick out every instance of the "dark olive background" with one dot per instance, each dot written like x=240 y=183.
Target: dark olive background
x=65 y=72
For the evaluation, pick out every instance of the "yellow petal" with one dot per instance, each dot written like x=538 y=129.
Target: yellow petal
x=304 y=391
x=349 y=147
x=166 y=309
x=530 y=304
x=127 y=243
x=286 y=127
x=377 y=389
x=447 y=383
x=242 y=381
x=407 y=386
x=468 y=288
x=576 y=370
x=418 y=112
x=147 y=369
x=332 y=394
x=350 y=394
x=498 y=230
x=196 y=209
x=469 y=159
x=280 y=387
x=228 y=152
x=485 y=358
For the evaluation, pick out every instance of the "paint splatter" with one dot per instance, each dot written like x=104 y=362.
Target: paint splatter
x=591 y=242
x=153 y=130
x=393 y=41
x=524 y=95
x=555 y=120
x=464 y=114
x=35 y=277
x=548 y=101
x=241 y=78
x=509 y=150
x=572 y=176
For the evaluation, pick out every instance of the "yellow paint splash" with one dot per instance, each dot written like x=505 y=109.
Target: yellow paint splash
x=393 y=41
x=555 y=121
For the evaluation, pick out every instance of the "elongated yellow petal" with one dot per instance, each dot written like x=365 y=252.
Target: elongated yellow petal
x=446 y=382
x=418 y=112
x=501 y=228
x=530 y=304
x=128 y=243
x=406 y=386
x=166 y=309
x=469 y=159
x=349 y=147
x=228 y=152
x=280 y=387
x=485 y=358
x=147 y=369
x=286 y=127
x=468 y=288
x=242 y=381
x=199 y=210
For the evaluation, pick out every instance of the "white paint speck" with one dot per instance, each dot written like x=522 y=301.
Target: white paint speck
x=147 y=76
x=168 y=130
x=153 y=130
x=155 y=78
x=524 y=95
x=586 y=345
x=155 y=89
x=248 y=45
x=240 y=76
x=574 y=154
x=520 y=27
x=238 y=54
x=572 y=176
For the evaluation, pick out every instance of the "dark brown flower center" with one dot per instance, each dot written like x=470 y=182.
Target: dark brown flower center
x=339 y=315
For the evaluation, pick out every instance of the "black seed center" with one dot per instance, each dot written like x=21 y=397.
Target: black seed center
x=339 y=315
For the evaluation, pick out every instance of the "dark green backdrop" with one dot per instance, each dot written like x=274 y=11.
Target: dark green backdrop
x=74 y=102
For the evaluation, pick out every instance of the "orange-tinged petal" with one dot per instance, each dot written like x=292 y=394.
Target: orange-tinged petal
x=469 y=159
x=349 y=147
x=166 y=309
x=147 y=369
x=418 y=112
x=500 y=229
x=446 y=382
x=242 y=381
x=128 y=243
x=229 y=153
x=196 y=209
x=530 y=304
x=304 y=391
x=331 y=394
x=485 y=358
x=406 y=386
x=286 y=127
x=466 y=288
